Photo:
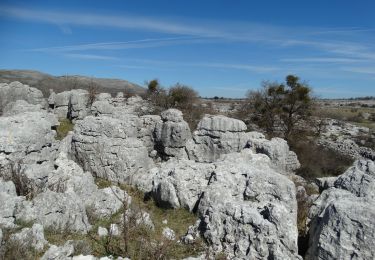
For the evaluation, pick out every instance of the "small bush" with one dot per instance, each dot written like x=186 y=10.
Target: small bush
x=317 y=161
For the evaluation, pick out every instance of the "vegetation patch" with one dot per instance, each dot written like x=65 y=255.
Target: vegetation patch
x=317 y=161
x=63 y=129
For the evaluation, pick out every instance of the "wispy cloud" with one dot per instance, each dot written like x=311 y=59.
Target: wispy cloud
x=236 y=66
x=90 y=56
x=364 y=70
x=143 y=43
x=125 y=22
x=228 y=31
x=323 y=60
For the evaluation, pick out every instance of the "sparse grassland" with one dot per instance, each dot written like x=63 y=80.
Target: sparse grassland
x=348 y=114
x=143 y=243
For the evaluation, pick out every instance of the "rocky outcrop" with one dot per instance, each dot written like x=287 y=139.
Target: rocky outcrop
x=8 y=202
x=348 y=148
x=20 y=106
x=276 y=149
x=26 y=138
x=57 y=211
x=343 y=217
x=216 y=135
x=110 y=147
x=17 y=91
x=241 y=201
x=73 y=104
x=172 y=134
x=30 y=238
x=181 y=183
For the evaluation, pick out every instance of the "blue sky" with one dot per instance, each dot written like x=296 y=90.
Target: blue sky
x=221 y=48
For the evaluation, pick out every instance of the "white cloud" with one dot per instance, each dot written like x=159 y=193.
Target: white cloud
x=90 y=56
x=322 y=60
x=143 y=43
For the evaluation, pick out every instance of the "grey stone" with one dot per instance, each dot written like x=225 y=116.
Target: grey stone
x=30 y=238
x=278 y=151
x=114 y=230
x=247 y=209
x=26 y=138
x=172 y=134
x=139 y=217
x=102 y=232
x=342 y=219
x=64 y=252
x=325 y=182
x=216 y=135
x=8 y=187
x=110 y=148
x=180 y=183
x=20 y=106
x=221 y=123
x=8 y=202
x=73 y=104
x=168 y=233
x=17 y=91
x=59 y=211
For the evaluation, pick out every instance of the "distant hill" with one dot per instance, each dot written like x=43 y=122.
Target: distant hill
x=44 y=82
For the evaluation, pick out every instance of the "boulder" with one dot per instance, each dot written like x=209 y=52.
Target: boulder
x=246 y=208
x=8 y=202
x=73 y=104
x=216 y=135
x=19 y=107
x=168 y=233
x=172 y=134
x=26 y=138
x=181 y=183
x=68 y=177
x=30 y=238
x=343 y=217
x=63 y=252
x=58 y=211
x=110 y=148
x=277 y=150
x=17 y=91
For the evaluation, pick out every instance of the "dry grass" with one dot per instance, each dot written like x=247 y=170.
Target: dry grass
x=63 y=129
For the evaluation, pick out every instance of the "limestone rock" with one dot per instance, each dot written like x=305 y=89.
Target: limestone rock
x=248 y=210
x=102 y=232
x=172 y=134
x=241 y=200
x=278 y=151
x=325 y=183
x=169 y=233
x=17 y=91
x=180 y=183
x=30 y=238
x=110 y=148
x=8 y=202
x=20 y=106
x=221 y=124
x=216 y=135
x=73 y=104
x=26 y=138
x=59 y=211
x=64 y=252
x=343 y=217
